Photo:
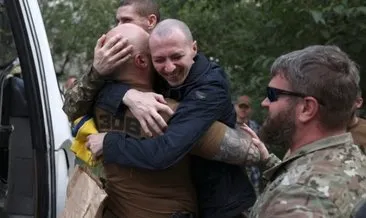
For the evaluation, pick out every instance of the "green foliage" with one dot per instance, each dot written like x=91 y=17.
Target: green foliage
x=247 y=36
x=244 y=36
x=7 y=45
x=73 y=28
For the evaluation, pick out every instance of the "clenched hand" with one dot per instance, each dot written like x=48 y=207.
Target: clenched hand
x=95 y=144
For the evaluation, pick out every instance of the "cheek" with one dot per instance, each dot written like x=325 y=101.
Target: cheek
x=271 y=112
x=158 y=67
x=240 y=113
x=182 y=65
x=275 y=110
x=139 y=23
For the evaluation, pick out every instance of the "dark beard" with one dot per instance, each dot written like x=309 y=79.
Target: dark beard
x=279 y=130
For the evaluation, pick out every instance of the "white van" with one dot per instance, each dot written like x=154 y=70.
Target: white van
x=34 y=131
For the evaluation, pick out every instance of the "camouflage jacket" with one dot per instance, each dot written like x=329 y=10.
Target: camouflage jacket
x=326 y=178
x=358 y=132
x=80 y=98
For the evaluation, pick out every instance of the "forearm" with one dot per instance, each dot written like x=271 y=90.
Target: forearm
x=166 y=150
x=153 y=154
x=156 y=153
x=236 y=147
x=79 y=99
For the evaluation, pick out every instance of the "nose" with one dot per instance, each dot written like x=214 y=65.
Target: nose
x=265 y=102
x=169 y=67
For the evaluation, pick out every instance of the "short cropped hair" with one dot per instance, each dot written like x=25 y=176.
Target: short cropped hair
x=144 y=7
x=166 y=27
x=326 y=73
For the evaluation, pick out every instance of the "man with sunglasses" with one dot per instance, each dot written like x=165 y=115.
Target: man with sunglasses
x=310 y=99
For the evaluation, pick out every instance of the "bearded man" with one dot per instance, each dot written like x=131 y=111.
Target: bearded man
x=310 y=99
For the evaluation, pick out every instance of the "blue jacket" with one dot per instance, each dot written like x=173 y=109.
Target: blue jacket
x=223 y=190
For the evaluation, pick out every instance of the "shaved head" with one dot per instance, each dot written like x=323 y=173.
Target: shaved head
x=136 y=36
x=172 y=50
x=137 y=68
x=168 y=26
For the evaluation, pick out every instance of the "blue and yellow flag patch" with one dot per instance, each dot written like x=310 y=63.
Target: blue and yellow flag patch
x=83 y=127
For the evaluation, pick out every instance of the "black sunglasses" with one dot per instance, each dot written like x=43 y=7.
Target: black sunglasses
x=273 y=93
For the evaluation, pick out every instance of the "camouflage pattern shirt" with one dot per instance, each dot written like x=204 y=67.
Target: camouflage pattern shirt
x=326 y=178
x=80 y=98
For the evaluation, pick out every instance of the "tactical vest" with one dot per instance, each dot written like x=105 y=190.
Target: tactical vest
x=140 y=193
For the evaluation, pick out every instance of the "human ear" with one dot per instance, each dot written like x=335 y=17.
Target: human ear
x=141 y=61
x=308 y=109
x=194 y=47
x=152 y=21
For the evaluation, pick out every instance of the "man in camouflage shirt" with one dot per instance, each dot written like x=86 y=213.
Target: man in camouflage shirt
x=309 y=100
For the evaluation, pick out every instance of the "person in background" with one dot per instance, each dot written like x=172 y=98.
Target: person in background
x=357 y=125
x=243 y=109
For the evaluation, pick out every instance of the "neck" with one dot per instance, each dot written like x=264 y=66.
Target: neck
x=353 y=122
x=138 y=80
x=311 y=135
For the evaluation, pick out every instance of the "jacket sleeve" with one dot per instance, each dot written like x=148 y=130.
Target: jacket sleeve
x=195 y=114
x=110 y=97
x=79 y=99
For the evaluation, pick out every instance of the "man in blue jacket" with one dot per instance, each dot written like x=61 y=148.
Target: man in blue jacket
x=203 y=91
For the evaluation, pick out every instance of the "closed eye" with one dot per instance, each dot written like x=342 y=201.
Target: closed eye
x=176 y=57
x=159 y=60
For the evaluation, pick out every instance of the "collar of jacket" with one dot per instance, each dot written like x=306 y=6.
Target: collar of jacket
x=198 y=70
x=331 y=141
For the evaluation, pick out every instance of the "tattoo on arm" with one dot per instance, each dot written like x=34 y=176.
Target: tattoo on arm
x=237 y=148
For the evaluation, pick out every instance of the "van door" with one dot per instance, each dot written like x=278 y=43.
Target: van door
x=39 y=132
